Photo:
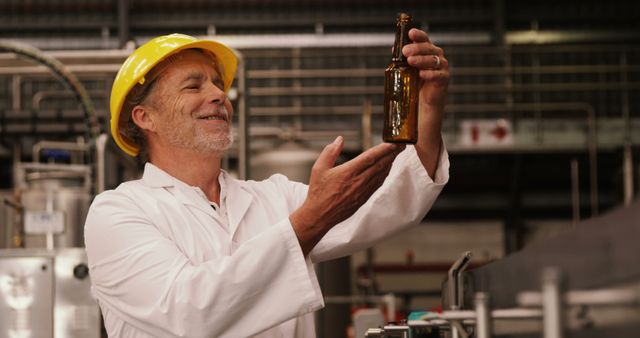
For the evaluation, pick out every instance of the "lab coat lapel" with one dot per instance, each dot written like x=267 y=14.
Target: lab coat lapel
x=238 y=202
x=188 y=196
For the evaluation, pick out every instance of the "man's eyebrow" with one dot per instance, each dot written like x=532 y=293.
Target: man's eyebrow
x=198 y=76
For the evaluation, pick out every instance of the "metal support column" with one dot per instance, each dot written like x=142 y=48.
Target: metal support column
x=575 y=192
x=627 y=171
x=243 y=122
x=123 y=22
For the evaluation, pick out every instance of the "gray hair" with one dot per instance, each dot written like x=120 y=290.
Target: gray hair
x=130 y=129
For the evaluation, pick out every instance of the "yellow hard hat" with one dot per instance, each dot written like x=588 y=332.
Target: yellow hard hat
x=143 y=59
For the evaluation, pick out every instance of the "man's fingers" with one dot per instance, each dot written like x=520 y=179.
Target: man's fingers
x=372 y=156
x=436 y=76
x=423 y=48
x=380 y=169
x=328 y=156
x=376 y=180
x=432 y=62
x=418 y=35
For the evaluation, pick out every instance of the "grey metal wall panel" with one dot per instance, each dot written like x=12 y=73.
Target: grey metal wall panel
x=600 y=252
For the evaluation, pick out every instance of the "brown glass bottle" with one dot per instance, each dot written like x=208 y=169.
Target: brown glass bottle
x=401 y=91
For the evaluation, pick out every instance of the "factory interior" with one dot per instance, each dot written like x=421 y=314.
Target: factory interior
x=534 y=235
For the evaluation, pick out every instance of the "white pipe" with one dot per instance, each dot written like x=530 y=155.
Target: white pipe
x=101 y=144
x=552 y=303
x=483 y=320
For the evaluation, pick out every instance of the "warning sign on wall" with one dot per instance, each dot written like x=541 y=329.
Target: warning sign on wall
x=486 y=132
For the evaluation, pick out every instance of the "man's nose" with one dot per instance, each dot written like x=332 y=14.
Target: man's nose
x=216 y=95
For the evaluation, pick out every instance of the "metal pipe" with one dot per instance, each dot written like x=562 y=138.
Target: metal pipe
x=16 y=91
x=575 y=192
x=454 y=273
x=455 y=108
x=626 y=117
x=369 y=271
x=552 y=303
x=355 y=299
x=312 y=73
x=76 y=69
x=296 y=83
x=623 y=69
x=483 y=320
x=592 y=144
x=101 y=145
x=397 y=331
x=414 y=267
x=458 y=329
x=49 y=208
x=536 y=96
x=598 y=297
x=459 y=88
x=514 y=313
x=59 y=48
x=460 y=280
x=39 y=96
x=62 y=74
x=536 y=37
x=340 y=40
x=628 y=174
x=123 y=22
x=459 y=71
x=112 y=68
x=454 y=330
x=390 y=303
x=367 y=111
x=243 y=121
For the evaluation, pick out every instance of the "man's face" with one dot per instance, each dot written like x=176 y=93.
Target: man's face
x=188 y=105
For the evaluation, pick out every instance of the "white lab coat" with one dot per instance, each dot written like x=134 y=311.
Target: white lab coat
x=164 y=263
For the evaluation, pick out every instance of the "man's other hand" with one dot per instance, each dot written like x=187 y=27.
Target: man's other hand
x=335 y=193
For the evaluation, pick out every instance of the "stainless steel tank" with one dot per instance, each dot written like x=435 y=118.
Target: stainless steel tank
x=55 y=199
x=293 y=159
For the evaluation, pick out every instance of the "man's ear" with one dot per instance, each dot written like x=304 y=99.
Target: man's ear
x=142 y=118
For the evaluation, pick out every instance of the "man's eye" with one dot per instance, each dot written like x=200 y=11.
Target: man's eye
x=192 y=87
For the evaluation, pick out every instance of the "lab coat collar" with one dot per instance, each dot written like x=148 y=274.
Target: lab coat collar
x=155 y=177
x=183 y=192
x=238 y=196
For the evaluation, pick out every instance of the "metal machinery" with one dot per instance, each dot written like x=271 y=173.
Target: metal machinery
x=46 y=293
x=53 y=199
x=44 y=276
x=584 y=283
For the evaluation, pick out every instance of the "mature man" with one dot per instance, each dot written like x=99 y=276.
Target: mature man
x=188 y=251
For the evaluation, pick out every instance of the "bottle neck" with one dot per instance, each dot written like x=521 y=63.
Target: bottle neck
x=402 y=38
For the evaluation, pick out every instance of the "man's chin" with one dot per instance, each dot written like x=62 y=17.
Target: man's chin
x=217 y=146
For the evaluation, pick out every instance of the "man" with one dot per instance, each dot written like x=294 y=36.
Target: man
x=188 y=251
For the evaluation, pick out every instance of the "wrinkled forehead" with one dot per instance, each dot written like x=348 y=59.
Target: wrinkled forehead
x=183 y=56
